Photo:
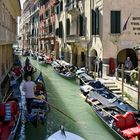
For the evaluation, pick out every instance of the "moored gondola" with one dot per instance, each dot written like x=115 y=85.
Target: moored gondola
x=33 y=55
x=10 y=112
x=64 y=69
x=119 y=116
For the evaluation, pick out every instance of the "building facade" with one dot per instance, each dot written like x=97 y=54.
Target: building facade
x=9 y=10
x=47 y=26
x=115 y=31
x=82 y=31
x=34 y=25
x=25 y=25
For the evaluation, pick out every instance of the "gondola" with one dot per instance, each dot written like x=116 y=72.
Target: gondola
x=25 y=53
x=41 y=60
x=39 y=105
x=33 y=55
x=10 y=113
x=64 y=69
x=64 y=135
x=49 y=59
x=119 y=116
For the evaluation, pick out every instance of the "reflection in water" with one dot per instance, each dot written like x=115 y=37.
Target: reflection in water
x=64 y=95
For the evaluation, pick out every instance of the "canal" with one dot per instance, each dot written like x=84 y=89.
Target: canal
x=64 y=94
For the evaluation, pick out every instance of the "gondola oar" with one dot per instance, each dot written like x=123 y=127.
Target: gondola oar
x=60 y=111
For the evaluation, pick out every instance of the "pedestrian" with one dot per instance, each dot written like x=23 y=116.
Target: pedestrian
x=128 y=64
x=100 y=68
x=29 y=89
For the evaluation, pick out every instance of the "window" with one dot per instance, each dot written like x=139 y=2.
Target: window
x=82 y=25
x=60 y=29
x=61 y=6
x=52 y=10
x=95 y=21
x=57 y=9
x=115 y=22
x=68 y=26
x=50 y=28
x=57 y=31
x=47 y=13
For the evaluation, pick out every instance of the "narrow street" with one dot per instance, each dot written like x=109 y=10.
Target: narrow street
x=64 y=95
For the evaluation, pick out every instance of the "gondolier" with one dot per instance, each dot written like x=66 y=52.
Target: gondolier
x=29 y=88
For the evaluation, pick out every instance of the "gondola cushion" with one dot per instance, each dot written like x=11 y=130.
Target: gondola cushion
x=130 y=120
x=120 y=123
x=128 y=133
x=13 y=110
x=136 y=130
x=127 y=125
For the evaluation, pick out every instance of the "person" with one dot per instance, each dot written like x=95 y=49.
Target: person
x=28 y=69
x=128 y=64
x=29 y=88
x=100 y=68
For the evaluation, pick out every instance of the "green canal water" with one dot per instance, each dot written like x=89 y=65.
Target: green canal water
x=64 y=94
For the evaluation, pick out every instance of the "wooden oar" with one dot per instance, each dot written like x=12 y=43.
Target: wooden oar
x=8 y=96
x=60 y=111
x=89 y=101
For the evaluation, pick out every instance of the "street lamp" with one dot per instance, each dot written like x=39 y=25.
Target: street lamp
x=137 y=49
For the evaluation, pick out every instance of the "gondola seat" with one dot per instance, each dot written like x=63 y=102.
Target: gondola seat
x=127 y=125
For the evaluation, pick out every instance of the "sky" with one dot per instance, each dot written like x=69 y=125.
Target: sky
x=22 y=1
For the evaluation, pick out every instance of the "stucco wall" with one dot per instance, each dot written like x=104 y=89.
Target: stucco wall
x=127 y=39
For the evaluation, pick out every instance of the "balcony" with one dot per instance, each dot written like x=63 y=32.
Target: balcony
x=72 y=7
x=72 y=38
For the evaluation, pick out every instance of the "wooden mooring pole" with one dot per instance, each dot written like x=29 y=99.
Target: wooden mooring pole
x=122 y=73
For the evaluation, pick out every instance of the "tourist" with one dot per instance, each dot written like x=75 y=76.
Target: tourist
x=128 y=64
x=100 y=68
x=29 y=88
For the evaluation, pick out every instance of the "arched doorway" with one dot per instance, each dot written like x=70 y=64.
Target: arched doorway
x=123 y=54
x=92 y=59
